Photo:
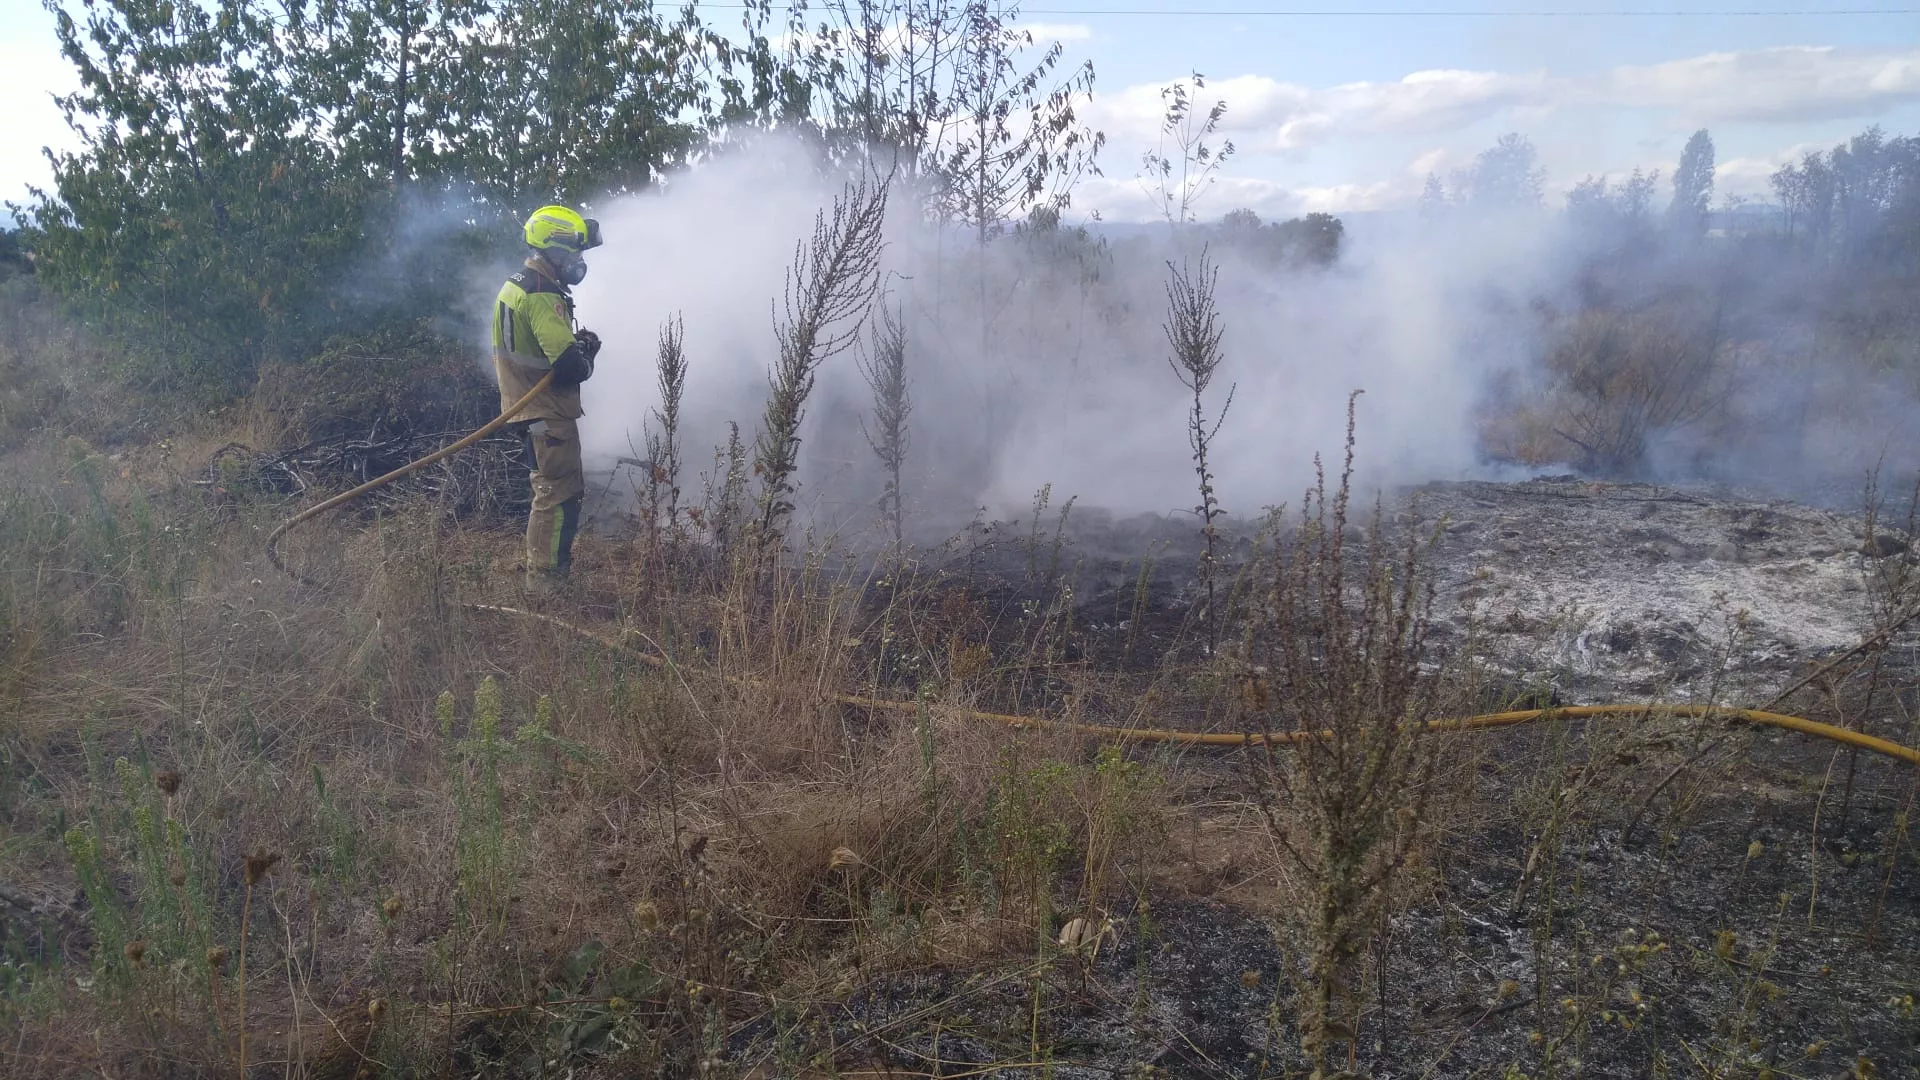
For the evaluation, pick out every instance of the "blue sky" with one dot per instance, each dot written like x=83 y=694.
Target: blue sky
x=1347 y=106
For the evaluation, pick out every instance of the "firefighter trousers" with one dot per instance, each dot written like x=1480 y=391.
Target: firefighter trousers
x=558 y=485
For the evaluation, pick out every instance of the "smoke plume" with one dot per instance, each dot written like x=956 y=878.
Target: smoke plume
x=1041 y=360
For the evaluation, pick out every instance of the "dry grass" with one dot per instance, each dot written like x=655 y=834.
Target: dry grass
x=467 y=804
x=501 y=843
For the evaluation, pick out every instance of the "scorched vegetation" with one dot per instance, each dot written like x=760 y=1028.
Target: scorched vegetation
x=764 y=794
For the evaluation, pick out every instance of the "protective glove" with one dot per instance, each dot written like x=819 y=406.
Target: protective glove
x=573 y=366
x=590 y=342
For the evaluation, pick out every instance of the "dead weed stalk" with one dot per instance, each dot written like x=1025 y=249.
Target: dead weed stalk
x=1193 y=331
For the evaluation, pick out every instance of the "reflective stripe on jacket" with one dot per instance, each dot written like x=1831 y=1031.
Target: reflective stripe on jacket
x=532 y=326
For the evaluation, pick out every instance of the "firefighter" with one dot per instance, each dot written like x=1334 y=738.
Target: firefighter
x=533 y=333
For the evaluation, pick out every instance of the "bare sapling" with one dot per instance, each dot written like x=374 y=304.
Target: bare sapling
x=1190 y=153
x=1193 y=330
x=885 y=368
x=830 y=287
x=663 y=446
x=1346 y=638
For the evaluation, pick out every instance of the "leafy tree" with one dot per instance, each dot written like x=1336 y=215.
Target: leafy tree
x=1692 y=188
x=1069 y=254
x=1505 y=177
x=1791 y=188
x=1859 y=201
x=1817 y=189
x=563 y=100
x=1017 y=141
x=372 y=70
x=13 y=257
x=1869 y=172
x=1313 y=240
x=1590 y=204
x=1898 y=240
x=756 y=85
x=862 y=105
x=887 y=71
x=1636 y=195
x=253 y=176
x=1619 y=213
x=1241 y=222
x=954 y=98
x=200 y=212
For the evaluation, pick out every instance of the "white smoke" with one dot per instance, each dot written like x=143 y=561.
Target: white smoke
x=1024 y=373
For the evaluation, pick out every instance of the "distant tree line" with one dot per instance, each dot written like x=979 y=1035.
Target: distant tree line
x=1859 y=200
x=1312 y=240
x=1686 y=313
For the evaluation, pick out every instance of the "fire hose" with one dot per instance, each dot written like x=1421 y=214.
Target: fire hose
x=1481 y=722
x=1484 y=721
x=491 y=426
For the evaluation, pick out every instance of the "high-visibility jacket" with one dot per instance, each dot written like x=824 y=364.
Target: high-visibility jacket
x=532 y=326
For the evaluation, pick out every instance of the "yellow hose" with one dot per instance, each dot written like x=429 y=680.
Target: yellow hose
x=498 y=422
x=1143 y=735
x=1481 y=722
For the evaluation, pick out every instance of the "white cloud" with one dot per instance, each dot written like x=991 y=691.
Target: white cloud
x=1437 y=160
x=1119 y=199
x=1426 y=100
x=1062 y=32
x=1782 y=85
x=1785 y=84
x=1264 y=113
x=1750 y=176
x=1349 y=198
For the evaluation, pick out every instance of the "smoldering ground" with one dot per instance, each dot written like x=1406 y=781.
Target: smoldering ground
x=1039 y=360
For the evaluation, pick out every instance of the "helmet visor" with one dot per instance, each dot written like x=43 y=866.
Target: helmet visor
x=593 y=234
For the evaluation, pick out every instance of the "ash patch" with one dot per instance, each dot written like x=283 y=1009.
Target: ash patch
x=1636 y=590
x=1604 y=591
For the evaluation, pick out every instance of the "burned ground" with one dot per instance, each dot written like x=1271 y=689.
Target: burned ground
x=1587 y=591
x=1625 y=899
x=1608 y=898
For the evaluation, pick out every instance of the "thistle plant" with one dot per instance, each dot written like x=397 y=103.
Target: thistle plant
x=1347 y=639
x=830 y=285
x=1194 y=332
x=885 y=368
x=663 y=446
x=255 y=870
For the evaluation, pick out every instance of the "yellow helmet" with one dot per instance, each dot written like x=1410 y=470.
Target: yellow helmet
x=560 y=227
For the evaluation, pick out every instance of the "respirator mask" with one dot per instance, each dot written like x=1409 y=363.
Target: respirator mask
x=569 y=266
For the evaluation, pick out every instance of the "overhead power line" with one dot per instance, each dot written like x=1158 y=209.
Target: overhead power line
x=1448 y=13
